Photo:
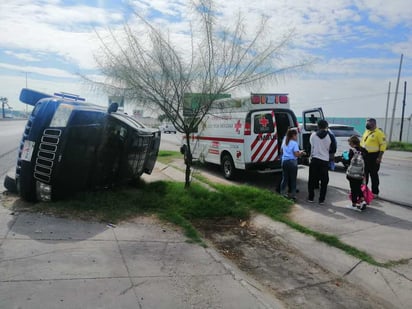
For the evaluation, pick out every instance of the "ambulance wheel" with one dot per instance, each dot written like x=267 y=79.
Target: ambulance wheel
x=228 y=167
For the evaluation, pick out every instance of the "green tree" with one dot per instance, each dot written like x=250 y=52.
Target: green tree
x=151 y=68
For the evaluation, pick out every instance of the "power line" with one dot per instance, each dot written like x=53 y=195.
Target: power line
x=330 y=101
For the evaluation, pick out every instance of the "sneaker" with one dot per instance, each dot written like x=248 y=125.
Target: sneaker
x=362 y=206
x=321 y=202
x=310 y=200
x=351 y=206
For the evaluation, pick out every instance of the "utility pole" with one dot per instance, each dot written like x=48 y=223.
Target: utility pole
x=387 y=106
x=403 y=110
x=3 y=103
x=394 y=101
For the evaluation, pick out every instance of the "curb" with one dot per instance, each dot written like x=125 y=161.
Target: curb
x=393 y=289
x=400 y=203
x=387 y=285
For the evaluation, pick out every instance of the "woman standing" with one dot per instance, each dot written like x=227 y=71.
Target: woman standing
x=290 y=153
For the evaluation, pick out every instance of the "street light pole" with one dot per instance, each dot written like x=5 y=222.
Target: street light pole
x=394 y=101
x=387 y=106
x=26 y=73
x=403 y=111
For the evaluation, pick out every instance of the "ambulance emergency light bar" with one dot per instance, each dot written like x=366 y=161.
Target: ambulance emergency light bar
x=270 y=98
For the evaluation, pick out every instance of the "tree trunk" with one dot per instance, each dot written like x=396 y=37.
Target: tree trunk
x=188 y=162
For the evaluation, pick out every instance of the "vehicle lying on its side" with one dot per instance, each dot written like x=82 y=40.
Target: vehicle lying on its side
x=69 y=145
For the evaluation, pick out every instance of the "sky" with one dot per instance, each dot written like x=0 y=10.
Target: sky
x=356 y=46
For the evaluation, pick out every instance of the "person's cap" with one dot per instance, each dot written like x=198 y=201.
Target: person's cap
x=371 y=120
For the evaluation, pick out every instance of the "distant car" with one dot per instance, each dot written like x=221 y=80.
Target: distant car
x=168 y=128
x=342 y=134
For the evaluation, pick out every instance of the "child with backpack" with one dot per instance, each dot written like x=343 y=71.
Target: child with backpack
x=355 y=174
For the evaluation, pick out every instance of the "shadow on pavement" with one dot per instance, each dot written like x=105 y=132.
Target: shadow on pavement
x=46 y=227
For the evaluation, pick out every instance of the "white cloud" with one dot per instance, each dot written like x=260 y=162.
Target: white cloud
x=32 y=30
x=53 y=72
x=22 y=56
x=66 y=32
x=389 y=13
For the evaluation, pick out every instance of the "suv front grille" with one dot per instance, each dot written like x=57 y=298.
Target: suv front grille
x=46 y=154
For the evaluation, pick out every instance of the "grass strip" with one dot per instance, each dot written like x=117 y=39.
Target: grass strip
x=259 y=198
x=172 y=202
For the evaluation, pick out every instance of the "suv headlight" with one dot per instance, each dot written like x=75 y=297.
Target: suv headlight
x=43 y=191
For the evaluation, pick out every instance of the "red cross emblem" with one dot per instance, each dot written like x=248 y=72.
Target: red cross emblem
x=238 y=125
x=263 y=121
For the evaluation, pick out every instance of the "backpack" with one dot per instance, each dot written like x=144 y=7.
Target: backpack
x=356 y=167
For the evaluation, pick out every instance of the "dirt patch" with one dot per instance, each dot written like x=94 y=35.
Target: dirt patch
x=293 y=278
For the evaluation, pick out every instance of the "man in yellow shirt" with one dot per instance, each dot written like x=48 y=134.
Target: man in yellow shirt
x=374 y=141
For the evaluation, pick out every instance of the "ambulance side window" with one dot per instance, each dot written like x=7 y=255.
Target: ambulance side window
x=262 y=123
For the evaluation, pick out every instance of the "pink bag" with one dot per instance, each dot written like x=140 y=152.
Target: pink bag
x=367 y=194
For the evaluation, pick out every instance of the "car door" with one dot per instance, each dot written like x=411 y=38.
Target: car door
x=310 y=119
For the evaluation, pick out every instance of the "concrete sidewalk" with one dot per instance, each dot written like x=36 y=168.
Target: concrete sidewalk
x=383 y=230
x=48 y=262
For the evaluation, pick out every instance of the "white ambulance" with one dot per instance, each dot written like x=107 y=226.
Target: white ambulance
x=244 y=133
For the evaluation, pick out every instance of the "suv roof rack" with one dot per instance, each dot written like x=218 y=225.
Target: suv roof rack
x=70 y=96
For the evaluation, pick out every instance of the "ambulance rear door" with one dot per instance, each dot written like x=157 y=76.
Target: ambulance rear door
x=261 y=143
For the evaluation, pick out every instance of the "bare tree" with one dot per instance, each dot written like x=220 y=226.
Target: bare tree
x=152 y=70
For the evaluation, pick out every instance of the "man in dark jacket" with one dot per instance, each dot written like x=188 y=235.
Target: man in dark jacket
x=323 y=145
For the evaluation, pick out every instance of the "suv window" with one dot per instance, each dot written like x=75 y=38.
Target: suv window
x=342 y=131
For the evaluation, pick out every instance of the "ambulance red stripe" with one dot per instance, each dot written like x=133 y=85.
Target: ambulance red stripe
x=257 y=139
x=218 y=139
x=268 y=147
x=275 y=151
x=261 y=145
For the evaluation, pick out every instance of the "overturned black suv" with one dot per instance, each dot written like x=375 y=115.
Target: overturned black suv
x=69 y=145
